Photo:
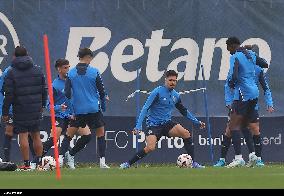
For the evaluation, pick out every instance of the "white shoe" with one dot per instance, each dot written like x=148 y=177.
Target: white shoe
x=61 y=160
x=236 y=163
x=70 y=160
x=33 y=165
x=103 y=165
x=252 y=160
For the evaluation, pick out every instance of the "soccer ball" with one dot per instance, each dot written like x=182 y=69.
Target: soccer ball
x=48 y=163
x=184 y=161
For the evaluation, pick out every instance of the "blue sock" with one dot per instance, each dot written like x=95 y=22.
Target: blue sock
x=101 y=146
x=7 y=147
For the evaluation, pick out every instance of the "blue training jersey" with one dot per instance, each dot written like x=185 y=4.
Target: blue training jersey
x=85 y=88
x=260 y=79
x=159 y=106
x=59 y=98
x=241 y=76
x=2 y=78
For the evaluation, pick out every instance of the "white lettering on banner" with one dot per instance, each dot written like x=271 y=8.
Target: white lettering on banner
x=272 y=140
x=3 y=38
x=102 y=35
x=118 y=59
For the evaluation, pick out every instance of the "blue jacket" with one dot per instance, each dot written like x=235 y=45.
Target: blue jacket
x=85 y=88
x=60 y=98
x=259 y=79
x=241 y=76
x=159 y=106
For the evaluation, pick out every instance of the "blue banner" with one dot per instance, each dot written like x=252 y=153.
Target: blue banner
x=121 y=145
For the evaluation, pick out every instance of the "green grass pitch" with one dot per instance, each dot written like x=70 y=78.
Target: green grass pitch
x=154 y=176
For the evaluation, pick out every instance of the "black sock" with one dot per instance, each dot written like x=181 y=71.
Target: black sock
x=65 y=145
x=236 y=139
x=225 y=145
x=80 y=144
x=101 y=146
x=31 y=145
x=257 y=145
x=47 y=145
x=139 y=155
x=248 y=137
x=189 y=147
x=7 y=147
x=27 y=163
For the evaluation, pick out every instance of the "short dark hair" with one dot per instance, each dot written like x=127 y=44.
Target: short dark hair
x=233 y=40
x=20 y=51
x=61 y=62
x=171 y=73
x=84 y=52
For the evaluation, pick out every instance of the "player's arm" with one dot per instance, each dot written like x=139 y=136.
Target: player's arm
x=154 y=95
x=9 y=95
x=229 y=95
x=233 y=74
x=57 y=108
x=68 y=93
x=182 y=109
x=101 y=90
x=261 y=62
x=267 y=93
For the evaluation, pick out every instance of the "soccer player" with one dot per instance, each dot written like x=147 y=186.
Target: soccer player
x=62 y=105
x=253 y=125
x=85 y=88
x=241 y=78
x=158 y=109
x=24 y=88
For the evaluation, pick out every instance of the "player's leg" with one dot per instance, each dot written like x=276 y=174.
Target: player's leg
x=178 y=131
x=239 y=119
x=31 y=145
x=24 y=148
x=151 y=140
x=38 y=147
x=225 y=145
x=85 y=138
x=65 y=145
x=100 y=133
x=49 y=142
x=249 y=142
x=254 y=127
x=96 y=122
x=7 y=140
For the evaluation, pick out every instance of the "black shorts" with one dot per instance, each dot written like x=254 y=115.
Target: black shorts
x=23 y=129
x=93 y=120
x=161 y=130
x=246 y=109
x=62 y=123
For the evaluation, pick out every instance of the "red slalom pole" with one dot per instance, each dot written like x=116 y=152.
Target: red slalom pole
x=50 y=93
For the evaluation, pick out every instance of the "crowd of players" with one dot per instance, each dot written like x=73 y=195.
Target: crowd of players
x=80 y=100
